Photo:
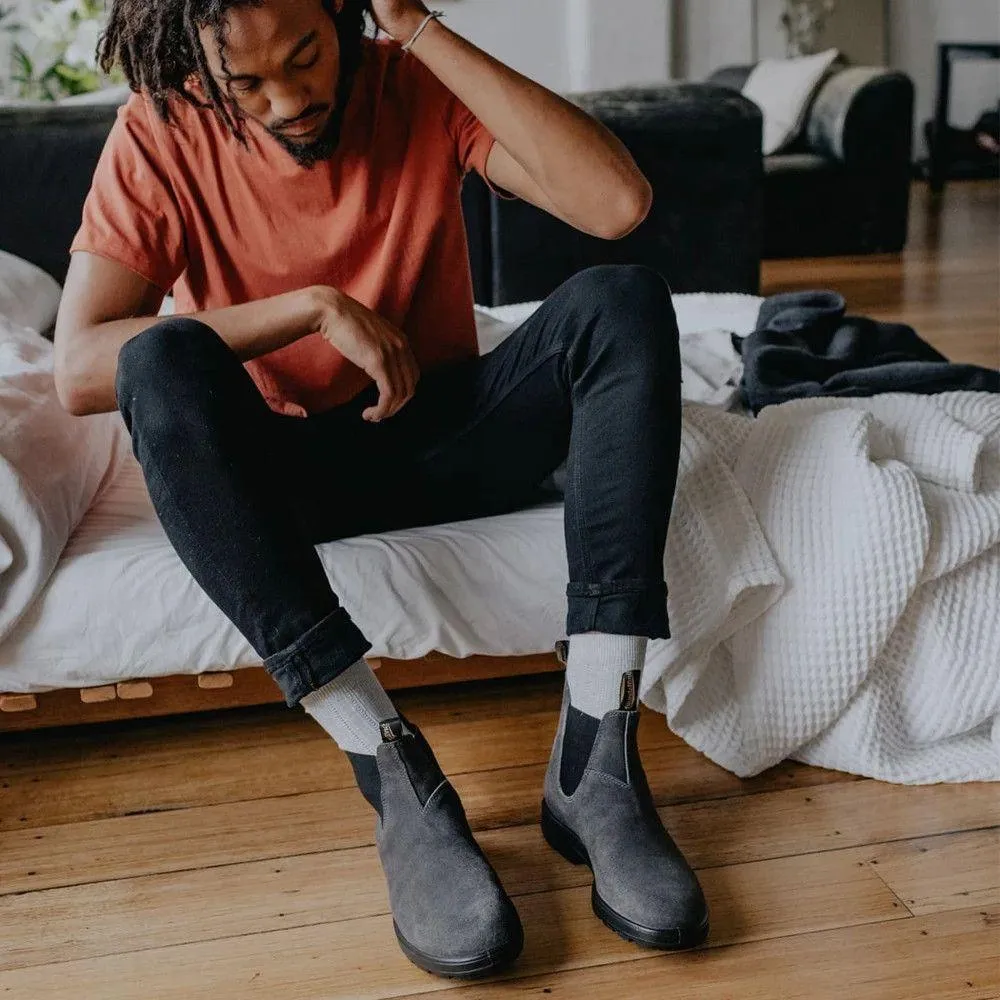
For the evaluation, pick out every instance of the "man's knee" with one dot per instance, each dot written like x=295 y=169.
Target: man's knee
x=635 y=306
x=633 y=294
x=623 y=284
x=170 y=349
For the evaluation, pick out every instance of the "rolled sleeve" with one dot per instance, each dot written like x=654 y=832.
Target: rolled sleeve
x=468 y=136
x=473 y=142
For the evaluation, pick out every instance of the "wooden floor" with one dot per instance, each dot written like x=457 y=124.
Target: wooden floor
x=228 y=855
x=946 y=284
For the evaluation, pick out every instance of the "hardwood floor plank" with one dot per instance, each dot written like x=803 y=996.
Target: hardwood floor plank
x=780 y=896
x=718 y=832
x=825 y=818
x=167 y=778
x=749 y=902
x=953 y=956
x=944 y=284
x=950 y=872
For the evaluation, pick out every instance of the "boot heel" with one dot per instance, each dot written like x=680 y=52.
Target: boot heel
x=561 y=839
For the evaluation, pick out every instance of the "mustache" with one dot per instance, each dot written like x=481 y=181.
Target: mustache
x=310 y=112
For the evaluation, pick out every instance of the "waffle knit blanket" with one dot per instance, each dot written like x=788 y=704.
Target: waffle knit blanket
x=834 y=577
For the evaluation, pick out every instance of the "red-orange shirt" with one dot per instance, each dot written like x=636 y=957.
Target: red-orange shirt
x=189 y=208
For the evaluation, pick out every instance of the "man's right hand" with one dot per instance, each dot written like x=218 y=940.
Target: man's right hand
x=374 y=345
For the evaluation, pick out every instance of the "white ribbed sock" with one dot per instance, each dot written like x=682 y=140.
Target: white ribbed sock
x=350 y=708
x=595 y=665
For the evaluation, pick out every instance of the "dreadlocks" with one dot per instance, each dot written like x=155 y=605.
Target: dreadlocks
x=156 y=43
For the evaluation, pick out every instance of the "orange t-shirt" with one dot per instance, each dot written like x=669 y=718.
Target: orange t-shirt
x=189 y=208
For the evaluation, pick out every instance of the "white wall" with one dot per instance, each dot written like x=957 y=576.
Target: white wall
x=709 y=34
x=570 y=44
x=611 y=44
x=917 y=26
x=529 y=35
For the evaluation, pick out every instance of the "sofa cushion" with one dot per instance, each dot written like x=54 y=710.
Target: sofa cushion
x=49 y=155
x=782 y=89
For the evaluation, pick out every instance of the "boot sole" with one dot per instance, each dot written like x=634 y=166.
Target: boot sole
x=462 y=968
x=566 y=843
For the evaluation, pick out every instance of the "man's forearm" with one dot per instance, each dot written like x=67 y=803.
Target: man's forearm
x=87 y=360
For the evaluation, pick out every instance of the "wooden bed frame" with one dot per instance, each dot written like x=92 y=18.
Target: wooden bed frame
x=250 y=685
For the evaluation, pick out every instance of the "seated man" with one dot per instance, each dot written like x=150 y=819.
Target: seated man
x=296 y=183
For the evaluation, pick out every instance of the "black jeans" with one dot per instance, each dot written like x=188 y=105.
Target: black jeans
x=592 y=380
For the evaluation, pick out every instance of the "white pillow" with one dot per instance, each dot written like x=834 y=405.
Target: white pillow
x=52 y=465
x=782 y=89
x=28 y=296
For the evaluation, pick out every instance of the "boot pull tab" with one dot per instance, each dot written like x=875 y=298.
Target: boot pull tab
x=628 y=693
x=562 y=651
x=391 y=729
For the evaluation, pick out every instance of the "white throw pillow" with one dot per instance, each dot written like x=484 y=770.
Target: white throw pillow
x=782 y=89
x=52 y=465
x=28 y=295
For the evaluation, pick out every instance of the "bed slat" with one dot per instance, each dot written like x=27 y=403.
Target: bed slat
x=94 y=695
x=17 y=702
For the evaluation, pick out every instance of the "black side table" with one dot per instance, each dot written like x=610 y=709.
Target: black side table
x=947 y=52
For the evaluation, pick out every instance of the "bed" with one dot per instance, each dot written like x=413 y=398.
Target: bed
x=56 y=671
x=120 y=629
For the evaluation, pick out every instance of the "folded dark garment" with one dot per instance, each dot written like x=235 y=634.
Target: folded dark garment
x=805 y=345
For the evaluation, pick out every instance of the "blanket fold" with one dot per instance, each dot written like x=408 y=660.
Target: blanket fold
x=868 y=637
x=805 y=345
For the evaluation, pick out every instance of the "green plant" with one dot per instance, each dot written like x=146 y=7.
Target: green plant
x=53 y=48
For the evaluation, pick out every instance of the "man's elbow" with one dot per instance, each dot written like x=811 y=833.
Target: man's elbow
x=69 y=390
x=631 y=210
x=70 y=398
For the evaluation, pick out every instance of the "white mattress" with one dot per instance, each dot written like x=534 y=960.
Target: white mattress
x=121 y=604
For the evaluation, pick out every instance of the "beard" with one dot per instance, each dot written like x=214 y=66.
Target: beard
x=323 y=146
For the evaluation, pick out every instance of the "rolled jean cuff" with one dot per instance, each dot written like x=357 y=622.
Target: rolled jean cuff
x=320 y=654
x=624 y=607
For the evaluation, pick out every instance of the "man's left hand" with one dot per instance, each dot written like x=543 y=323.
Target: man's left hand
x=399 y=18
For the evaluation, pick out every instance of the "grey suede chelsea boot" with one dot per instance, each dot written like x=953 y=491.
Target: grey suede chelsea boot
x=598 y=810
x=451 y=915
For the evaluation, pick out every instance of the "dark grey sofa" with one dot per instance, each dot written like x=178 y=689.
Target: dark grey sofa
x=699 y=144
x=47 y=159
x=844 y=187
x=700 y=147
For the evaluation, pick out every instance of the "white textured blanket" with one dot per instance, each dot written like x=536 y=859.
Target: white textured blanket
x=834 y=573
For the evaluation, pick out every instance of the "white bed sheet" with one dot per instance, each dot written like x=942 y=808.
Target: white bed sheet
x=121 y=604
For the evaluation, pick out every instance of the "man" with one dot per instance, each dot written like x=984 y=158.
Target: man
x=296 y=183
